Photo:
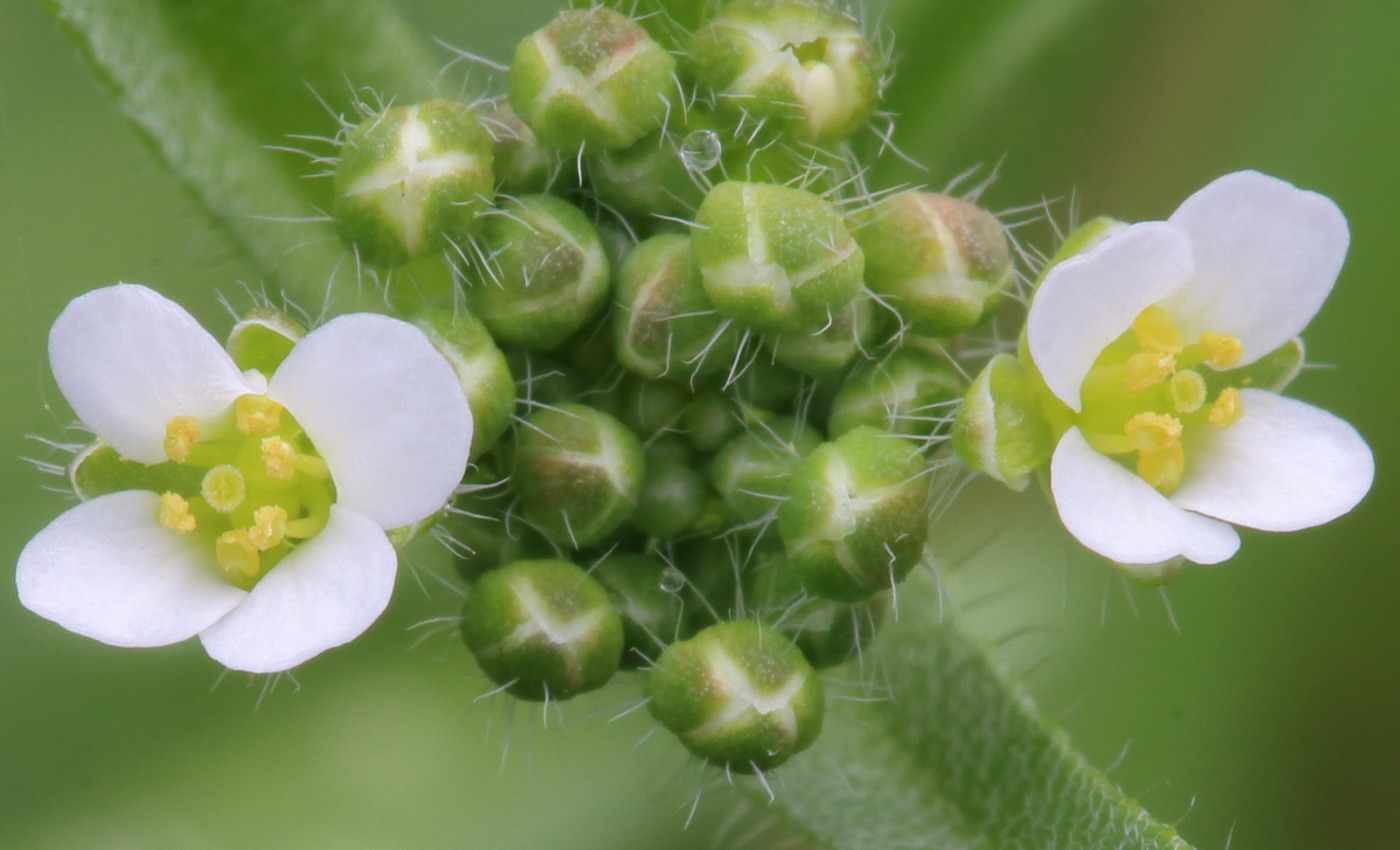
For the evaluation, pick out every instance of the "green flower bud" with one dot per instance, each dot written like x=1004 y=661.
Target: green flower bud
x=765 y=385
x=262 y=339
x=481 y=532
x=752 y=472
x=650 y=407
x=98 y=469
x=711 y=420
x=856 y=516
x=651 y=614
x=1000 y=429
x=664 y=324
x=674 y=496
x=738 y=694
x=909 y=393
x=940 y=261
x=773 y=258
x=577 y=472
x=543 y=630
x=828 y=347
x=481 y=369
x=591 y=77
x=523 y=166
x=802 y=63
x=650 y=178
x=828 y=633
x=670 y=22
x=543 y=273
x=711 y=571
x=542 y=380
x=412 y=180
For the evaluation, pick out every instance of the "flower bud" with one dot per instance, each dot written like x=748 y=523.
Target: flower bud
x=752 y=472
x=591 y=77
x=999 y=428
x=828 y=347
x=650 y=407
x=800 y=63
x=542 y=379
x=650 y=178
x=543 y=272
x=262 y=339
x=523 y=166
x=711 y=420
x=577 y=472
x=479 y=529
x=773 y=258
x=908 y=393
x=651 y=614
x=481 y=369
x=412 y=180
x=941 y=262
x=543 y=630
x=828 y=633
x=670 y=22
x=738 y=694
x=674 y=496
x=711 y=572
x=856 y=515
x=765 y=385
x=665 y=324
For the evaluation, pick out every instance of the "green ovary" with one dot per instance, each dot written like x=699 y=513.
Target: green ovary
x=264 y=489
x=1146 y=390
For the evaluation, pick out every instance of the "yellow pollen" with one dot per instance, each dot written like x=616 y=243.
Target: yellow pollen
x=278 y=457
x=1153 y=432
x=180 y=435
x=1188 y=391
x=1147 y=369
x=257 y=414
x=1163 y=468
x=175 y=514
x=237 y=556
x=1227 y=408
x=1222 y=351
x=1156 y=331
x=269 y=526
x=223 y=488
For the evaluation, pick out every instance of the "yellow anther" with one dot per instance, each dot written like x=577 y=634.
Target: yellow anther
x=257 y=414
x=1147 y=369
x=237 y=556
x=269 y=526
x=180 y=435
x=1163 y=468
x=1153 y=432
x=278 y=458
x=223 y=488
x=1156 y=331
x=1222 y=351
x=1227 y=408
x=175 y=514
x=1188 y=391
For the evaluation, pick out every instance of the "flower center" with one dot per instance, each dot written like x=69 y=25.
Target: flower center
x=1146 y=391
x=264 y=490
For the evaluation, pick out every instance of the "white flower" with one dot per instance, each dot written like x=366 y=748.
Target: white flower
x=282 y=553
x=1133 y=337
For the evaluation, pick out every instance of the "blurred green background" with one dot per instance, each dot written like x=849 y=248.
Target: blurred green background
x=1270 y=719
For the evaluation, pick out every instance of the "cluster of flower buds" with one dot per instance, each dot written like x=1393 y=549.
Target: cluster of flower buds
x=722 y=359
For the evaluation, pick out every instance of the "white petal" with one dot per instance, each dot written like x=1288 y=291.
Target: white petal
x=1115 y=513
x=1089 y=300
x=107 y=569
x=1266 y=254
x=384 y=409
x=1283 y=466
x=128 y=360
x=323 y=594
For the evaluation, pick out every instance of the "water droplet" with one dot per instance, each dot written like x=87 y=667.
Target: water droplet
x=672 y=580
x=700 y=151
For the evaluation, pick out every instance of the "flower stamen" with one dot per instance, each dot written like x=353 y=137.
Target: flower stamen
x=1227 y=409
x=279 y=458
x=257 y=414
x=1222 y=351
x=1147 y=369
x=181 y=433
x=1157 y=331
x=269 y=527
x=175 y=514
x=1152 y=432
x=238 y=556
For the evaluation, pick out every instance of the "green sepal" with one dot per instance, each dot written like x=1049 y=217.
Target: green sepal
x=97 y=470
x=1000 y=428
x=262 y=339
x=480 y=367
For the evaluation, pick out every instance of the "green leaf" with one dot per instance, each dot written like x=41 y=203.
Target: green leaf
x=212 y=84
x=956 y=757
